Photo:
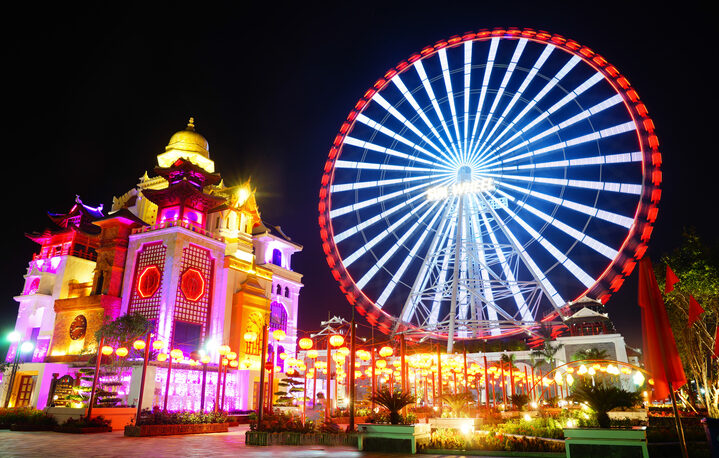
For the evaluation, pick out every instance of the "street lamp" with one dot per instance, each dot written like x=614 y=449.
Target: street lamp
x=14 y=337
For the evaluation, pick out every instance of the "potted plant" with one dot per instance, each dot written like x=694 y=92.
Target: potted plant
x=395 y=436
x=458 y=415
x=602 y=398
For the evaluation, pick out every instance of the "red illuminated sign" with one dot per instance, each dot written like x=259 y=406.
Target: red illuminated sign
x=192 y=284
x=149 y=282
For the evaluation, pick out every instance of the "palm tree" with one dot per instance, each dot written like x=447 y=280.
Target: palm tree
x=602 y=398
x=590 y=353
x=547 y=353
x=394 y=401
x=458 y=403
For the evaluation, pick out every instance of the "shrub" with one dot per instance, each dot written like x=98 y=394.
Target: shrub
x=449 y=439
x=156 y=416
x=458 y=403
x=26 y=416
x=393 y=401
x=602 y=398
x=280 y=422
x=83 y=422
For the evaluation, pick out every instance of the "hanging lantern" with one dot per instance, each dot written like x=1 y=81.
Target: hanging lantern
x=344 y=351
x=158 y=345
x=162 y=357
x=121 y=352
x=225 y=362
x=224 y=349
x=283 y=356
x=107 y=350
x=381 y=363
x=138 y=345
x=305 y=343
x=336 y=340
x=234 y=363
x=312 y=354
x=385 y=352
x=278 y=334
x=176 y=354
x=231 y=356
x=250 y=336
x=205 y=359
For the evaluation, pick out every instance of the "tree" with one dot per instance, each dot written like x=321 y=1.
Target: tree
x=393 y=401
x=697 y=266
x=546 y=354
x=458 y=403
x=603 y=398
x=590 y=353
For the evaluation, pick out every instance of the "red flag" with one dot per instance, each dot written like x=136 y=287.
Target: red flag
x=716 y=343
x=672 y=280
x=694 y=310
x=660 y=349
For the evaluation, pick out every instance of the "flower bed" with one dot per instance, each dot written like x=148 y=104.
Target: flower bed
x=263 y=438
x=85 y=426
x=170 y=430
x=26 y=419
x=447 y=439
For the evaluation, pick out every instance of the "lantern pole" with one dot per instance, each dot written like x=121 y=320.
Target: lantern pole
x=94 y=378
x=328 y=406
x=352 y=373
x=374 y=380
x=144 y=372
x=466 y=380
x=261 y=400
x=486 y=383
x=167 y=382
x=204 y=383
x=439 y=378
x=304 y=394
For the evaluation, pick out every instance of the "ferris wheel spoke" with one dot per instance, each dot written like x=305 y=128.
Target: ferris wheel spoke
x=397 y=80
x=608 y=103
x=444 y=269
x=596 y=245
x=382 y=235
x=422 y=278
x=620 y=158
x=485 y=85
x=413 y=252
x=611 y=217
x=376 y=200
x=539 y=277
x=368 y=223
x=450 y=98
x=467 y=81
x=390 y=152
x=377 y=183
x=628 y=126
x=498 y=96
x=545 y=114
x=486 y=285
x=401 y=118
x=508 y=275
x=390 y=133
x=362 y=282
x=623 y=188
x=433 y=99
x=377 y=166
x=527 y=80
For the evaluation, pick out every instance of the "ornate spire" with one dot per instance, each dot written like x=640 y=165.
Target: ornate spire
x=191 y=124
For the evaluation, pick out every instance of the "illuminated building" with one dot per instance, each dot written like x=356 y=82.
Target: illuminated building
x=183 y=249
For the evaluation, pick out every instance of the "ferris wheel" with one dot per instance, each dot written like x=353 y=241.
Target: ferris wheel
x=486 y=181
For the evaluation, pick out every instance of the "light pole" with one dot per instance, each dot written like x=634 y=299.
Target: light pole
x=24 y=347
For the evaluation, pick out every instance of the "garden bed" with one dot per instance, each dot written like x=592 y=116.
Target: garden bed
x=83 y=430
x=263 y=438
x=171 y=430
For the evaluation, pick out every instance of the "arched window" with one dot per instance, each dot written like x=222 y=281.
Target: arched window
x=277 y=257
x=287 y=292
x=279 y=290
x=278 y=317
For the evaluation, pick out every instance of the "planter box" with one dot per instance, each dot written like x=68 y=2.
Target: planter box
x=287 y=438
x=461 y=424
x=602 y=442
x=85 y=430
x=640 y=415
x=118 y=416
x=392 y=438
x=171 y=430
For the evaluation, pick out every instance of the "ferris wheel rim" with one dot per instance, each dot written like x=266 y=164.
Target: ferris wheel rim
x=634 y=244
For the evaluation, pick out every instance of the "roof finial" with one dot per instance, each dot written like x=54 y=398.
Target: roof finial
x=191 y=124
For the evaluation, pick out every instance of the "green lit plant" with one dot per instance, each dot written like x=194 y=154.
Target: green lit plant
x=393 y=401
x=458 y=403
x=602 y=398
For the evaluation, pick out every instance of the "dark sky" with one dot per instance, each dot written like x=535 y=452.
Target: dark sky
x=93 y=95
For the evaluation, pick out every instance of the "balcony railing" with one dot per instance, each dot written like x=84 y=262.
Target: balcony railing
x=183 y=224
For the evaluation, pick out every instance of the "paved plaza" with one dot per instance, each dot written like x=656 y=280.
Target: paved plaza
x=51 y=444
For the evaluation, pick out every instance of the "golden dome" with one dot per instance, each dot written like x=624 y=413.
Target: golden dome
x=190 y=141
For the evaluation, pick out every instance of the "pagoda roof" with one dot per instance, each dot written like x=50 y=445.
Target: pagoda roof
x=79 y=218
x=182 y=170
x=584 y=312
x=185 y=193
x=266 y=228
x=123 y=213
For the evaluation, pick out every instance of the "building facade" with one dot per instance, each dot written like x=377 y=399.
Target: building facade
x=184 y=250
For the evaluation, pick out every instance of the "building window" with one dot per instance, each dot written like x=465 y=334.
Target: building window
x=187 y=337
x=278 y=317
x=287 y=292
x=277 y=257
x=279 y=290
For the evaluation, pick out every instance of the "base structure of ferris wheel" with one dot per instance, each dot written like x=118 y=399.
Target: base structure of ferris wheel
x=487 y=181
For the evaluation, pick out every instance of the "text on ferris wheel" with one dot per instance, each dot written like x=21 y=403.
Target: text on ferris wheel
x=459 y=189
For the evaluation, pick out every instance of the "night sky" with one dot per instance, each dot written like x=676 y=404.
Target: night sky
x=93 y=95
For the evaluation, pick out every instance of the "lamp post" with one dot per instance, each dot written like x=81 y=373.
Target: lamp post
x=14 y=337
x=139 y=345
x=204 y=360
x=261 y=403
x=222 y=351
